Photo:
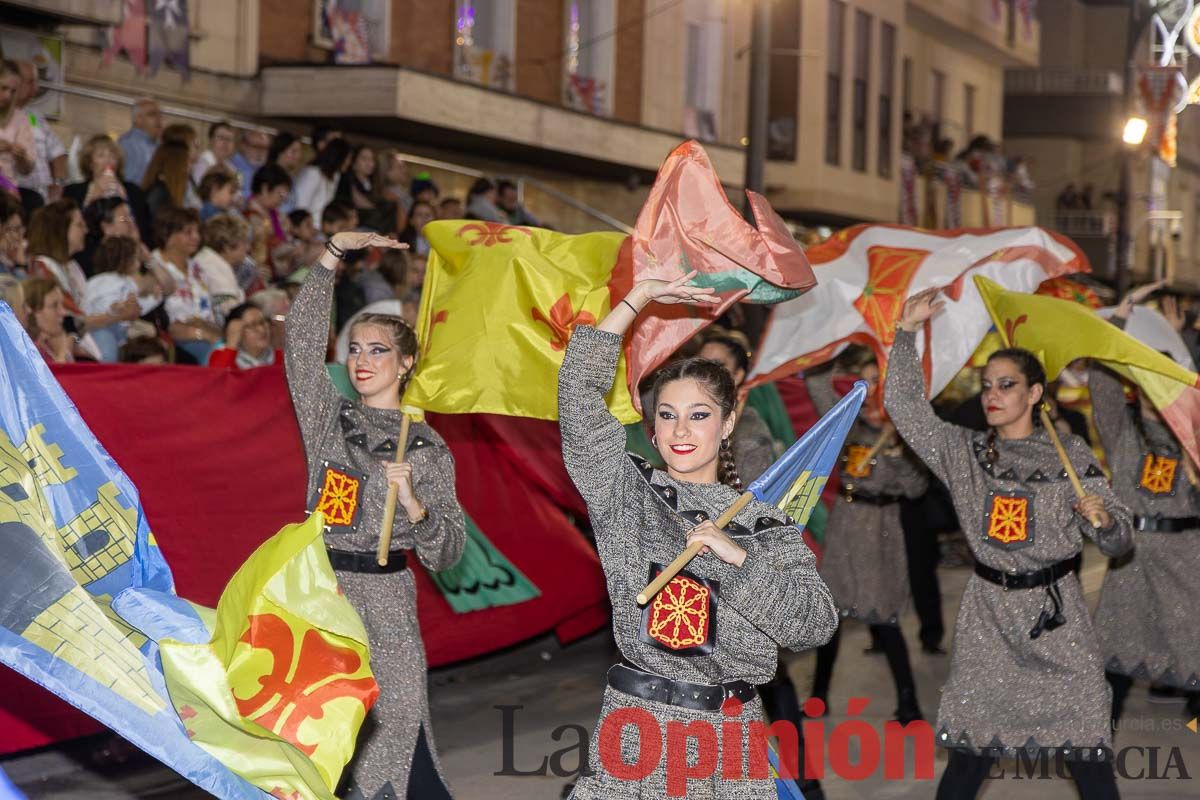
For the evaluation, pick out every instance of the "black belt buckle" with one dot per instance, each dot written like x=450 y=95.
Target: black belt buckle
x=356 y=561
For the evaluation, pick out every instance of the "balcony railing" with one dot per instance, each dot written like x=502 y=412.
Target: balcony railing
x=1085 y=223
x=1063 y=81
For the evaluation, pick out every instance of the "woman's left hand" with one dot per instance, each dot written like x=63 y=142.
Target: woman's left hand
x=717 y=542
x=1091 y=507
x=401 y=476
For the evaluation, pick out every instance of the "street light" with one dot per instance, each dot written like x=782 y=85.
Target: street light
x=1135 y=130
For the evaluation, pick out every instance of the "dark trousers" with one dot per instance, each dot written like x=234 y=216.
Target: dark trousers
x=889 y=638
x=965 y=774
x=781 y=703
x=922 y=519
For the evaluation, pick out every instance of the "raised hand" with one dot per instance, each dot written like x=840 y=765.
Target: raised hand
x=1135 y=296
x=1174 y=315
x=357 y=240
x=920 y=307
x=671 y=292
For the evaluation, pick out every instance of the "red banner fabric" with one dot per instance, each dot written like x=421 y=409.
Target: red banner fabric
x=217 y=457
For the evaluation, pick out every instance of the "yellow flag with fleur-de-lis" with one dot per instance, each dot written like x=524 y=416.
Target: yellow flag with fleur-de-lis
x=499 y=305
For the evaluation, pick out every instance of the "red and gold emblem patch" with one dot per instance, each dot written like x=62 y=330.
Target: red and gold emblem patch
x=682 y=618
x=339 y=497
x=1010 y=520
x=857 y=463
x=1158 y=474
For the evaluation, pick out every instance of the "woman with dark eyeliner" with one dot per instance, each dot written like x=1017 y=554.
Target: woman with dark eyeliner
x=1026 y=671
x=695 y=652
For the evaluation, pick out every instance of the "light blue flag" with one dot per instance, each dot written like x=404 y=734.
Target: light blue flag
x=7 y=790
x=794 y=482
x=74 y=537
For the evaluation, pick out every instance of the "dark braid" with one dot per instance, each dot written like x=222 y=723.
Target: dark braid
x=991 y=455
x=726 y=466
x=718 y=383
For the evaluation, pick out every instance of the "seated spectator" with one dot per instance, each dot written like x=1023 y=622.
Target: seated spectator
x=347 y=295
x=386 y=279
x=219 y=193
x=13 y=244
x=222 y=144
x=424 y=190
x=251 y=156
x=118 y=277
x=308 y=240
x=287 y=152
x=316 y=185
x=13 y=294
x=17 y=147
x=509 y=201
x=50 y=157
x=167 y=182
x=275 y=305
x=109 y=217
x=422 y=214
x=410 y=307
x=144 y=350
x=247 y=342
x=192 y=321
x=100 y=162
x=337 y=218
x=226 y=243
x=271 y=248
x=392 y=181
x=141 y=140
x=44 y=324
x=323 y=135
x=56 y=233
x=451 y=208
x=416 y=272
x=481 y=202
x=355 y=187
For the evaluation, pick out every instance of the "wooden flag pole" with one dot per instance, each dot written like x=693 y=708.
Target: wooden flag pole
x=1048 y=424
x=655 y=586
x=389 y=506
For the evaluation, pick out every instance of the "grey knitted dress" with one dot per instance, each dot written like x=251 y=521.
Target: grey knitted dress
x=865 y=565
x=1007 y=691
x=1147 y=625
x=640 y=517
x=346 y=445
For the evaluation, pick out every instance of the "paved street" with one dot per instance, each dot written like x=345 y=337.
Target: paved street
x=554 y=686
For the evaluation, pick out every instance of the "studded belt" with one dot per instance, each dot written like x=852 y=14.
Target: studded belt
x=1028 y=580
x=694 y=696
x=1166 y=524
x=353 y=561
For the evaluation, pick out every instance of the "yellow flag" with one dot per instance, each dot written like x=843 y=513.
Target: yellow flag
x=279 y=691
x=498 y=306
x=1060 y=331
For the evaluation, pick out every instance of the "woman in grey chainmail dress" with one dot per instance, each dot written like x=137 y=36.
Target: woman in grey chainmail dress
x=864 y=563
x=350 y=447
x=1026 y=670
x=696 y=651
x=1145 y=630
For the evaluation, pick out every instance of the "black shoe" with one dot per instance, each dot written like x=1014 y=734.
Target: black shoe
x=1161 y=693
x=1193 y=705
x=932 y=650
x=907 y=709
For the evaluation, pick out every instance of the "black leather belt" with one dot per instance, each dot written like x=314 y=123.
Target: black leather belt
x=1166 y=524
x=350 y=561
x=694 y=696
x=859 y=496
x=1028 y=580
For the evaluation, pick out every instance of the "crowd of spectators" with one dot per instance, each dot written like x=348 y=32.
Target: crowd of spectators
x=979 y=165
x=186 y=246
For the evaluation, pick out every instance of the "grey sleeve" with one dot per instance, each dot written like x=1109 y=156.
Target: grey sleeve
x=1109 y=410
x=593 y=441
x=778 y=590
x=1117 y=538
x=942 y=446
x=440 y=537
x=306 y=338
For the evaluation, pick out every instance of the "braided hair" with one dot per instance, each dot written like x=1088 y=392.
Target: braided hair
x=404 y=338
x=716 y=381
x=1034 y=374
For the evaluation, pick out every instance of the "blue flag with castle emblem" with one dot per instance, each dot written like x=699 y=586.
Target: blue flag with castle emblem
x=74 y=537
x=794 y=482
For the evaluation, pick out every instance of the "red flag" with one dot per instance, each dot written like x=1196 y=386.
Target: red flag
x=688 y=223
x=129 y=36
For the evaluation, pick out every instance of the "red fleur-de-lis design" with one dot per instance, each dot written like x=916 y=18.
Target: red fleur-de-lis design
x=562 y=321
x=490 y=233
x=438 y=316
x=1010 y=328
x=298 y=686
x=279 y=793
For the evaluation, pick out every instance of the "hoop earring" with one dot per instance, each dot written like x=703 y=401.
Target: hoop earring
x=654 y=440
